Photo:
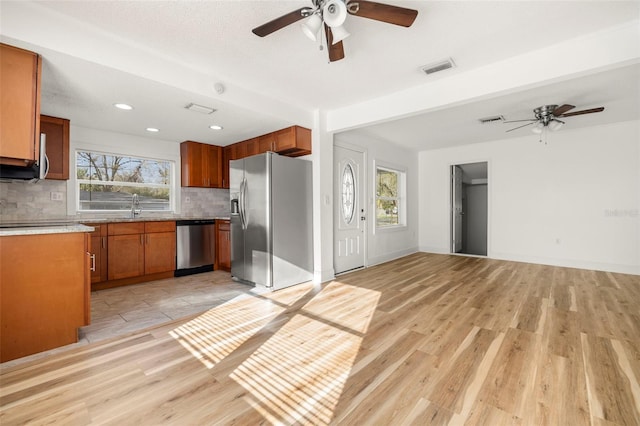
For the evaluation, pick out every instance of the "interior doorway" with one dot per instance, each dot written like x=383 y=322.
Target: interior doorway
x=469 y=208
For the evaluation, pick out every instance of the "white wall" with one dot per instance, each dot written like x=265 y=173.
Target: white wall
x=387 y=244
x=572 y=202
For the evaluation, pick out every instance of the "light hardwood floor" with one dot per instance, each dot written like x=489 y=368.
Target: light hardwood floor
x=427 y=340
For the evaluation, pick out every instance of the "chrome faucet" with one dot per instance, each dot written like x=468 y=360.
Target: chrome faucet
x=135 y=206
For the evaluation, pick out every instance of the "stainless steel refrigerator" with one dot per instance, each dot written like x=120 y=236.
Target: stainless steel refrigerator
x=271 y=220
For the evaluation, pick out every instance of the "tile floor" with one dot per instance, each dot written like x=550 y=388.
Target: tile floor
x=123 y=310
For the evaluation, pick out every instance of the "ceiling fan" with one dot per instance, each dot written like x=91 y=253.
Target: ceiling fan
x=331 y=14
x=547 y=116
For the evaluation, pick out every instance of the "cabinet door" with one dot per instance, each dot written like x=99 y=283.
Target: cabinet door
x=19 y=105
x=223 y=245
x=57 y=131
x=212 y=166
x=159 y=252
x=126 y=256
x=293 y=141
x=98 y=252
x=87 y=280
x=252 y=147
x=226 y=157
x=266 y=143
x=239 y=151
x=191 y=164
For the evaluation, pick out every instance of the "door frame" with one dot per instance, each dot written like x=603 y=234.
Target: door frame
x=365 y=201
x=489 y=205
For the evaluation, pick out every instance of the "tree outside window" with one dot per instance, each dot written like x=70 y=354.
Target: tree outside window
x=108 y=181
x=388 y=197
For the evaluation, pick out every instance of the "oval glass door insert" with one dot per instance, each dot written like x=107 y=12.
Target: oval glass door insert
x=348 y=194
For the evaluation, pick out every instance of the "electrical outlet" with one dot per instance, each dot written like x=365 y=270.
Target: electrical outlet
x=56 y=196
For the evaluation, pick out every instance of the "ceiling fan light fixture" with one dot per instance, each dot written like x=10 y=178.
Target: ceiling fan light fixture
x=537 y=129
x=555 y=124
x=334 y=13
x=311 y=26
x=339 y=34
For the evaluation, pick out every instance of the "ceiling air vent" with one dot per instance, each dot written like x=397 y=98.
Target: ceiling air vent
x=439 y=66
x=200 y=108
x=491 y=119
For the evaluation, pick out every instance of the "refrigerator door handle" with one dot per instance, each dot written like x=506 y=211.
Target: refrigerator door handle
x=243 y=188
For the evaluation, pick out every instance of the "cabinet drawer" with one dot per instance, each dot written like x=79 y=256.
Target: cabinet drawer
x=164 y=226
x=125 y=228
x=223 y=225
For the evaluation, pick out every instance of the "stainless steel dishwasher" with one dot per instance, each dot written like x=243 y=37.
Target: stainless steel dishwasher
x=195 y=246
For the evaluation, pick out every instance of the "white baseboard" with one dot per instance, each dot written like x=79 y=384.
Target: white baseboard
x=391 y=256
x=567 y=263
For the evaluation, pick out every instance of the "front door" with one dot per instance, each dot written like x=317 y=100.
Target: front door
x=350 y=218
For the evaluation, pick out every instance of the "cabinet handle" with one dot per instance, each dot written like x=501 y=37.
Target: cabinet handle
x=93 y=262
x=104 y=242
x=141 y=239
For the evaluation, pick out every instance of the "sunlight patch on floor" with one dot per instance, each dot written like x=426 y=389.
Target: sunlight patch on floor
x=297 y=376
x=215 y=334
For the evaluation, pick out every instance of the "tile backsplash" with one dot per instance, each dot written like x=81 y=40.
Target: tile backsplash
x=204 y=202
x=47 y=200
x=21 y=201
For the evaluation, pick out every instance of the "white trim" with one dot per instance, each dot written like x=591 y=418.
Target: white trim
x=100 y=141
x=489 y=197
x=364 y=189
x=402 y=196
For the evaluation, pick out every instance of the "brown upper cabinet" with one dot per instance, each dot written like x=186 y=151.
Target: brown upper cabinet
x=19 y=105
x=251 y=147
x=226 y=156
x=57 y=131
x=201 y=165
x=293 y=141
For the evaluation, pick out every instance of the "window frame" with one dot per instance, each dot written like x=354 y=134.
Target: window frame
x=171 y=186
x=401 y=196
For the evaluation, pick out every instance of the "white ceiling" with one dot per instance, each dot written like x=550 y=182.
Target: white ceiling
x=159 y=56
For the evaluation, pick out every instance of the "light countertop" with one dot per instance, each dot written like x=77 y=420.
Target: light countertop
x=44 y=229
x=53 y=226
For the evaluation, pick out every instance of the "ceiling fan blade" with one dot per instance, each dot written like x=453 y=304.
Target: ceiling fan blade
x=562 y=109
x=281 y=22
x=518 y=121
x=382 y=12
x=520 y=127
x=584 y=111
x=336 y=51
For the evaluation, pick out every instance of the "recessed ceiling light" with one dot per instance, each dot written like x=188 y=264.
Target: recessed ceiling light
x=152 y=129
x=215 y=127
x=126 y=107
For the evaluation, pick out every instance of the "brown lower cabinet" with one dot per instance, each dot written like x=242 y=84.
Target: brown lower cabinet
x=159 y=247
x=44 y=292
x=126 y=250
x=223 y=244
x=132 y=252
x=98 y=252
